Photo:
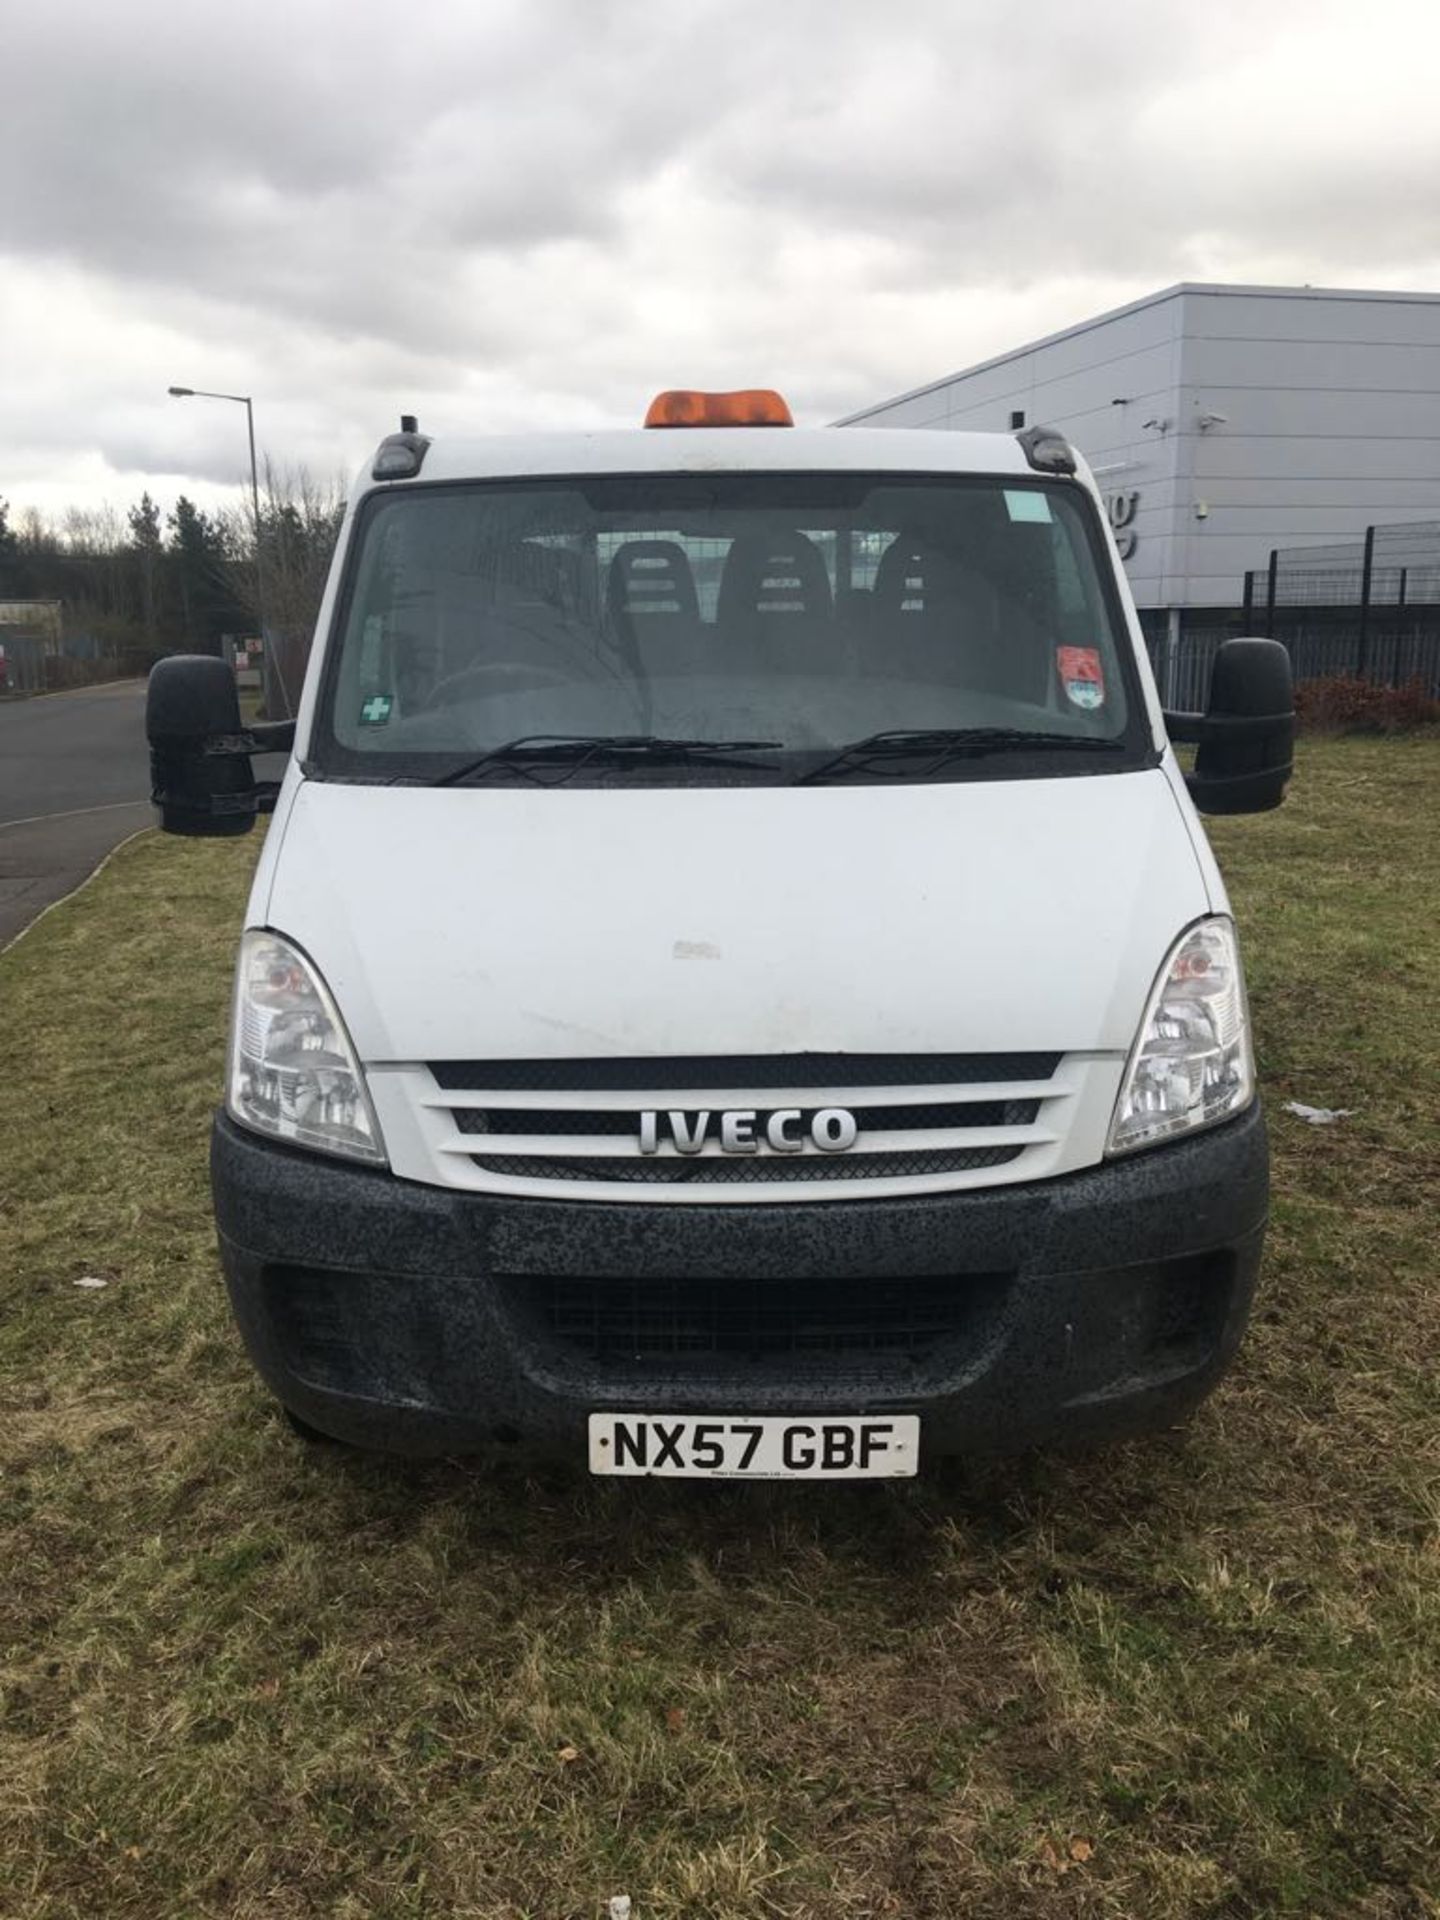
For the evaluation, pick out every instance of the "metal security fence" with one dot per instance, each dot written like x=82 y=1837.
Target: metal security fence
x=1365 y=609
x=1390 y=566
x=1368 y=607
x=38 y=663
x=1319 y=650
x=22 y=662
x=1182 y=664
x=30 y=632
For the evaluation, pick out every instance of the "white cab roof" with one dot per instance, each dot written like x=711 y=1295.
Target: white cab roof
x=720 y=450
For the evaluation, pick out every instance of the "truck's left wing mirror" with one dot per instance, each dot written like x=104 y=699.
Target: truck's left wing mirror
x=200 y=773
x=1245 y=739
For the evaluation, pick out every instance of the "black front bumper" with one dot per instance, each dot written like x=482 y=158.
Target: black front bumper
x=421 y=1320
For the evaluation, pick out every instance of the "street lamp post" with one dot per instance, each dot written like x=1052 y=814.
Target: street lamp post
x=243 y=399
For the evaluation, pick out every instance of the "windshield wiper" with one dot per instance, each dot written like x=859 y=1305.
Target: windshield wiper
x=572 y=751
x=937 y=745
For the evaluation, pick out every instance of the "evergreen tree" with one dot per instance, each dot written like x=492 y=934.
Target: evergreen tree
x=12 y=581
x=147 y=548
x=197 y=564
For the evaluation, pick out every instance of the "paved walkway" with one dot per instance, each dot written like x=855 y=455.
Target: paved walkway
x=74 y=782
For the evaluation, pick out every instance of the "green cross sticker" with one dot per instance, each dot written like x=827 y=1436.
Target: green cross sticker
x=376 y=710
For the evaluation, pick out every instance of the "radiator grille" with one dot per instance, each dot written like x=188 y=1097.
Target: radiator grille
x=747 y=1170
x=574 y=1127
x=719 y=1072
x=584 y=1123
x=610 y=1321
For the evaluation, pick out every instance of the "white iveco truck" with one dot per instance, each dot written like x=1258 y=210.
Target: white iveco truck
x=735 y=983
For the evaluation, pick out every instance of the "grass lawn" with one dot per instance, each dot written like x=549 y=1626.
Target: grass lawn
x=1197 y=1676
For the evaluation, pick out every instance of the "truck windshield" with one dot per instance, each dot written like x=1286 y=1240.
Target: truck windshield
x=805 y=613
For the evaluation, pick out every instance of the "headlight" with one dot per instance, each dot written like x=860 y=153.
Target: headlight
x=1192 y=1065
x=293 y=1072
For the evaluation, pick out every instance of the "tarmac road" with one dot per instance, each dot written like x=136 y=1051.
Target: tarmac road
x=74 y=782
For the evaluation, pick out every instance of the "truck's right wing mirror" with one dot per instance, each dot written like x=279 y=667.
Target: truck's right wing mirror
x=200 y=774
x=1245 y=739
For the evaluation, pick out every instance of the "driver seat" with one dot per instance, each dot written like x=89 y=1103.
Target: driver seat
x=776 y=611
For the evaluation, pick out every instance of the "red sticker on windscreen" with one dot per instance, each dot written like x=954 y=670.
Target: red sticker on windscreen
x=1082 y=676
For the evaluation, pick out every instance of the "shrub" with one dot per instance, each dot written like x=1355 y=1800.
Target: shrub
x=1341 y=703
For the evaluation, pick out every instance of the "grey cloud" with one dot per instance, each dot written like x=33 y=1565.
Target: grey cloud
x=1042 y=141
x=539 y=210
x=294 y=162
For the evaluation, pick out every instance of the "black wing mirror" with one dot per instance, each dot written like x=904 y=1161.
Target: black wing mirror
x=200 y=773
x=1245 y=739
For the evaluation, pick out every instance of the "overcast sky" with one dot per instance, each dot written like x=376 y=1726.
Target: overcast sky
x=510 y=214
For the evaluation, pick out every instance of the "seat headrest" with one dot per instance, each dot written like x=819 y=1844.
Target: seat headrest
x=778 y=573
x=915 y=578
x=650 y=578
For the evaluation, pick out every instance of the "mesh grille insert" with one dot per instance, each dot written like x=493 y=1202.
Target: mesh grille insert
x=725 y=1071
x=744 y=1169
x=619 y=1320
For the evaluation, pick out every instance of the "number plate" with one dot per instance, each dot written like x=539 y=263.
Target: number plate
x=768 y=1447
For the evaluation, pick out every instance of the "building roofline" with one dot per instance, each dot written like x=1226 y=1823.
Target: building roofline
x=1175 y=292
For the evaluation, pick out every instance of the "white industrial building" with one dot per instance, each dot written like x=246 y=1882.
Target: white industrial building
x=1222 y=422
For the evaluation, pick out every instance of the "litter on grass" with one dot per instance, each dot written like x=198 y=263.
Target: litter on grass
x=91 y=1281
x=1318 y=1116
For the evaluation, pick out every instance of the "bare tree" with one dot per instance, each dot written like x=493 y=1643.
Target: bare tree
x=299 y=523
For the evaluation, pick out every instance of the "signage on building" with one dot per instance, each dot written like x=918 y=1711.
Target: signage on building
x=1122 y=506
